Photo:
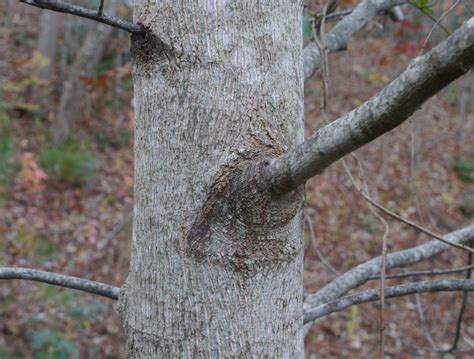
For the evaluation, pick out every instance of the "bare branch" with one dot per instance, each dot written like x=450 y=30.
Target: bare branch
x=457 y=334
x=339 y=36
x=421 y=315
x=424 y=272
x=336 y=16
x=61 y=6
x=313 y=241
x=414 y=225
x=85 y=285
x=446 y=285
x=361 y=273
x=424 y=77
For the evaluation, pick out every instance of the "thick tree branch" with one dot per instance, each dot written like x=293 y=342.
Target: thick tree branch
x=424 y=77
x=363 y=272
x=85 y=285
x=339 y=36
x=446 y=285
x=61 y=6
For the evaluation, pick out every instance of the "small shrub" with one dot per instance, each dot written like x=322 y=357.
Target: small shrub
x=464 y=169
x=52 y=345
x=87 y=311
x=70 y=162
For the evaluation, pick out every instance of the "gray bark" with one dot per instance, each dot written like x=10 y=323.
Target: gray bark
x=50 y=25
x=66 y=281
x=446 y=285
x=87 y=58
x=216 y=267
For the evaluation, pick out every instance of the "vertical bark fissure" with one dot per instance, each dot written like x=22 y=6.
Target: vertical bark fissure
x=216 y=268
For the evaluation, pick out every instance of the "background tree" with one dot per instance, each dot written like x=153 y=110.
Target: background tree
x=216 y=265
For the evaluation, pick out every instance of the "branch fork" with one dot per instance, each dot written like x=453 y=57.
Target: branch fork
x=64 y=7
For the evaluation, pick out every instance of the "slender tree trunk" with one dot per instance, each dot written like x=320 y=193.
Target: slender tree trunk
x=216 y=267
x=50 y=25
x=87 y=58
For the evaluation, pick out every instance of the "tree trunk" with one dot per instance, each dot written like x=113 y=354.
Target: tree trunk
x=86 y=60
x=217 y=260
x=50 y=25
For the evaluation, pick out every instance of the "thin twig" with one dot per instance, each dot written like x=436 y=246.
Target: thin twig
x=414 y=225
x=359 y=274
x=461 y=310
x=414 y=189
x=416 y=6
x=63 y=7
x=337 y=15
x=316 y=248
x=436 y=24
x=421 y=315
x=383 y=256
x=426 y=272
x=61 y=280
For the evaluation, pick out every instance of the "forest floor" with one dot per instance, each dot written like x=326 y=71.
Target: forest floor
x=52 y=222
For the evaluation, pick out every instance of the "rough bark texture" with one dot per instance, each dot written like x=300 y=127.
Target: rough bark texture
x=216 y=267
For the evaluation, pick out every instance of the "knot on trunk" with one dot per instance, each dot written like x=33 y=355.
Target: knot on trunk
x=244 y=226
